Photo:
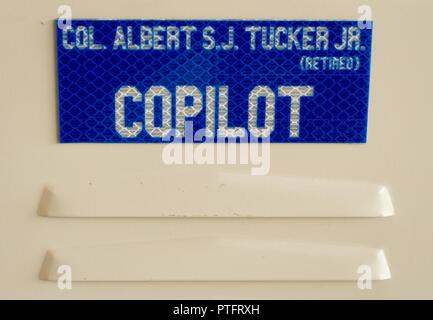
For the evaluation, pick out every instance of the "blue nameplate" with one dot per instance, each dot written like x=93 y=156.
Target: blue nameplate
x=158 y=81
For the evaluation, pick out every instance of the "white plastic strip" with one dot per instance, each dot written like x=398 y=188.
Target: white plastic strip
x=217 y=259
x=220 y=195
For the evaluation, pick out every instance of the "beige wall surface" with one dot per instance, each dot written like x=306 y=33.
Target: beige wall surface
x=398 y=154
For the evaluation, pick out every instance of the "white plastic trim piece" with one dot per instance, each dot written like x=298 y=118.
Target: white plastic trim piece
x=217 y=259
x=219 y=195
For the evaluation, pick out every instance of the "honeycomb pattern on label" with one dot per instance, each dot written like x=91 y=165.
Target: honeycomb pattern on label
x=88 y=81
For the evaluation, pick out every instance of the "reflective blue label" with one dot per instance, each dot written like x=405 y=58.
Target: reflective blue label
x=163 y=80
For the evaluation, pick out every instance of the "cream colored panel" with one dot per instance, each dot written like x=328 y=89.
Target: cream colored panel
x=398 y=154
